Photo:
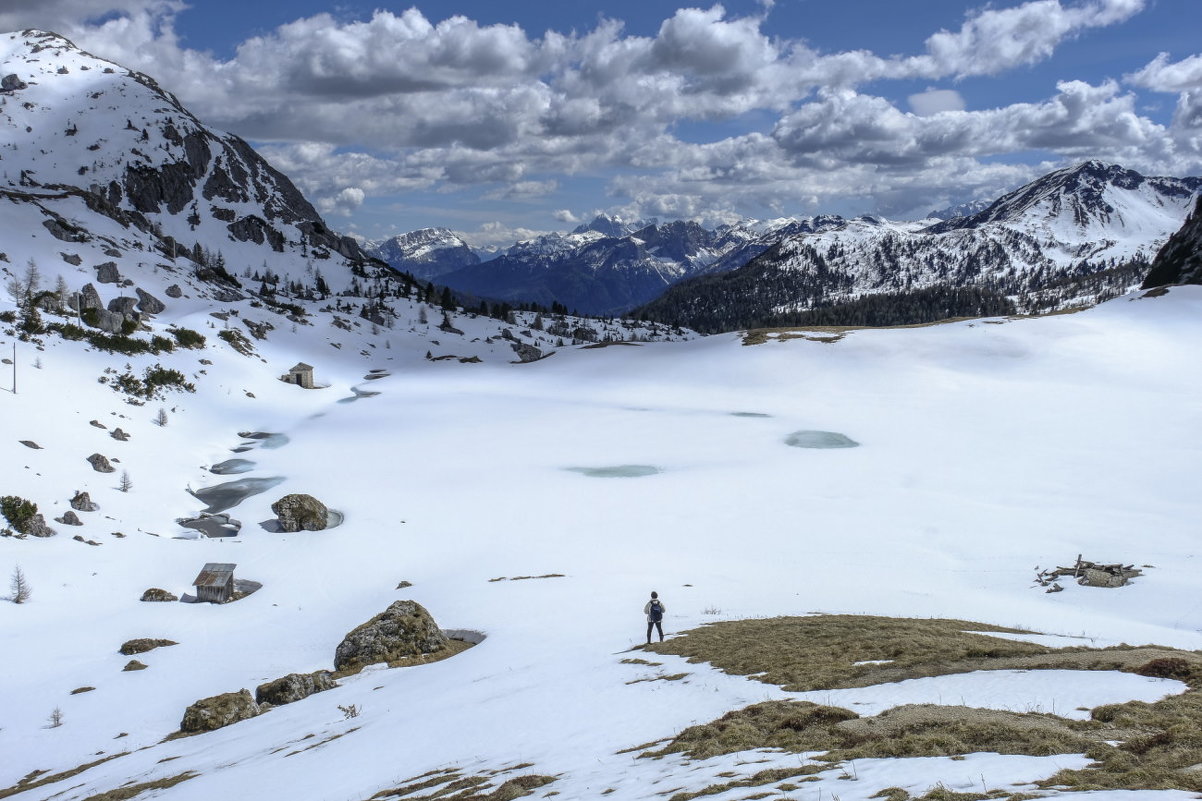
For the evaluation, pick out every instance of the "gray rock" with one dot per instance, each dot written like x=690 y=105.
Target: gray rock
x=69 y=518
x=134 y=664
x=294 y=687
x=123 y=306
x=1093 y=577
x=37 y=527
x=404 y=629
x=107 y=273
x=82 y=502
x=148 y=303
x=28 y=443
x=299 y=512
x=526 y=353
x=142 y=645
x=109 y=322
x=11 y=83
x=174 y=291
x=100 y=463
x=72 y=258
x=219 y=711
x=119 y=435
x=156 y=594
x=89 y=298
x=97 y=424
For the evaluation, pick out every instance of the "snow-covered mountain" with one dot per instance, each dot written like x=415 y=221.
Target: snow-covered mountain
x=1073 y=237
x=1180 y=260
x=426 y=253
x=607 y=268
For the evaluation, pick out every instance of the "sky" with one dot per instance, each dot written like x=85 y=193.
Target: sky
x=502 y=119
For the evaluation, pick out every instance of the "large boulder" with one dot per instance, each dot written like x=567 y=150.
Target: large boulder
x=82 y=502
x=100 y=463
x=157 y=594
x=148 y=303
x=123 y=305
x=403 y=629
x=89 y=298
x=12 y=83
x=69 y=518
x=37 y=527
x=107 y=273
x=219 y=711
x=174 y=291
x=300 y=512
x=294 y=687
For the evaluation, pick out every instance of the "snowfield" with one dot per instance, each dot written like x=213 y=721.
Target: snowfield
x=986 y=448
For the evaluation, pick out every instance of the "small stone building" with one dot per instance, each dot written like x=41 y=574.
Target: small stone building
x=301 y=375
x=215 y=583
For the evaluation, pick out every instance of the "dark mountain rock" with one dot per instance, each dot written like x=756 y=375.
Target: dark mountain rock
x=82 y=502
x=148 y=303
x=107 y=273
x=1180 y=260
x=100 y=463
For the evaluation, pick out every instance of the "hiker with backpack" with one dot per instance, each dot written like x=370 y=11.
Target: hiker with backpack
x=654 y=610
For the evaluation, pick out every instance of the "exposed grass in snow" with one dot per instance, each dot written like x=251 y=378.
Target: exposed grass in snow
x=451 y=785
x=134 y=790
x=31 y=781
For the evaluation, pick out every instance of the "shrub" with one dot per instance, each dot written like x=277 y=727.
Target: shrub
x=18 y=511
x=1166 y=668
x=187 y=338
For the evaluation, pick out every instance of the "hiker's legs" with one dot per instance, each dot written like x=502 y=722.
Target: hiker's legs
x=660 y=628
x=649 y=625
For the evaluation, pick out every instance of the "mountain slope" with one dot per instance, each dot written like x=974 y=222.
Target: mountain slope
x=426 y=253
x=1073 y=237
x=1180 y=260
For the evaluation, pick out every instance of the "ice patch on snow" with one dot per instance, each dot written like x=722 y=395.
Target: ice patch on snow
x=228 y=495
x=820 y=439
x=617 y=471
x=749 y=414
x=232 y=466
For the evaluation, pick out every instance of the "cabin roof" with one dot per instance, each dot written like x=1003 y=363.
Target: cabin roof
x=301 y=366
x=215 y=574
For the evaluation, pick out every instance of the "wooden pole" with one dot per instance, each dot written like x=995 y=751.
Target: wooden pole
x=14 y=367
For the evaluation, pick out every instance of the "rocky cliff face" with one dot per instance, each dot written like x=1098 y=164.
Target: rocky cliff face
x=1180 y=260
x=79 y=125
x=426 y=253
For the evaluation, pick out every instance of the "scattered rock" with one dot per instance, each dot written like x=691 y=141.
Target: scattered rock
x=11 y=83
x=79 y=538
x=404 y=629
x=28 y=443
x=526 y=353
x=69 y=518
x=142 y=645
x=148 y=303
x=294 y=687
x=134 y=664
x=71 y=258
x=100 y=463
x=156 y=594
x=107 y=273
x=79 y=690
x=82 y=502
x=300 y=512
x=1092 y=577
x=119 y=435
x=123 y=305
x=219 y=711
x=404 y=585
x=97 y=424
x=174 y=291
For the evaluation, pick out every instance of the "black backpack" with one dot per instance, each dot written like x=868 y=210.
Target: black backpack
x=657 y=612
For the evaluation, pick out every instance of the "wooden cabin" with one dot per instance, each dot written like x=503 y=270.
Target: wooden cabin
x=301 y=375
x=215 y=583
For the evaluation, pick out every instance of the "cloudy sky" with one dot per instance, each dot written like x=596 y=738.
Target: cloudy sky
x=503 y=117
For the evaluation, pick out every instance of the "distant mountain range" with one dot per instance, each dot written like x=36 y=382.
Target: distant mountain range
x=1072 y=237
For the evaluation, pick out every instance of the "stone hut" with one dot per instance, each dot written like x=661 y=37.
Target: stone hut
x=301 y=375
x=215 y=583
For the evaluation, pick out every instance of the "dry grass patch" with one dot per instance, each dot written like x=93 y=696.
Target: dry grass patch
x=133 y=790
x=31 y=780
x=451 y=785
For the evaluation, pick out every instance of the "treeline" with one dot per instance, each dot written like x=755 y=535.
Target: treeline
x=904 y=308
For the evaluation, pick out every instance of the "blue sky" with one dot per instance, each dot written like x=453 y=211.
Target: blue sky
x=502 y=119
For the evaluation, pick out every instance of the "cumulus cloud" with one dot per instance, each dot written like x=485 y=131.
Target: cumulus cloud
x=394 y=103
x=565 y=216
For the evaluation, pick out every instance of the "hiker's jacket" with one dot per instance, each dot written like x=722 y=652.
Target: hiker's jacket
x=663 y=608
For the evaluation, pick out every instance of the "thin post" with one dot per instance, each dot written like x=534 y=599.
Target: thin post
x=14 y=367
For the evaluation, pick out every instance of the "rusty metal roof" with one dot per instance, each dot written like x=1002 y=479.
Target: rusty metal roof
x=215 y=574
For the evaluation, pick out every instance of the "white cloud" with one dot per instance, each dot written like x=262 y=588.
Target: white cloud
x=1161 y=76
x=565 y=216
x=933 y=101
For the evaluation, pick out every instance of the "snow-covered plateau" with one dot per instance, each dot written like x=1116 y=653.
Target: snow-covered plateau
x=985 y=448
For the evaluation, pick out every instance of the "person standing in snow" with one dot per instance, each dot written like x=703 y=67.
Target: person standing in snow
x=654 y=610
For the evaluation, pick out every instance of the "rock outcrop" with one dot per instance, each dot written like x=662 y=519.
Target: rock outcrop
x=107 y=273
x=148 y=303
x=143 y=644
x=174 y=291
x=300 y=512
x=1180 y=260
x=294 y=687
x=219 y=711
x=37 y=527
x=403 y=629
x=156 y=594
x=100 y=463
x=69 y=518
x=124 y=306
